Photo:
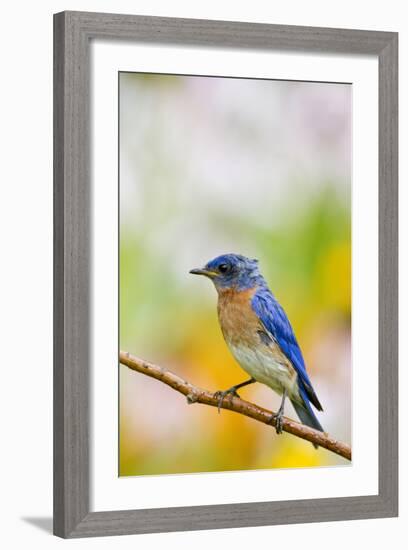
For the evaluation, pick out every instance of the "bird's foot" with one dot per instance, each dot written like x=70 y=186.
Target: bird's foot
x=276 y=419
x=221 y=395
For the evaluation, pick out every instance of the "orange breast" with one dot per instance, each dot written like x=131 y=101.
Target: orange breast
x=238 y=321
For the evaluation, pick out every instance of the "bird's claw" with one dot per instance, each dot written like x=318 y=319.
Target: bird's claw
x=221 y=395
x=277 y=420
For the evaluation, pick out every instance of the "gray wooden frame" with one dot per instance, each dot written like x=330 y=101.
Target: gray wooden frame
x=72 y=199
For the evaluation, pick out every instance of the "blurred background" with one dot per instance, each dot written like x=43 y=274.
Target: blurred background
x=216 y=165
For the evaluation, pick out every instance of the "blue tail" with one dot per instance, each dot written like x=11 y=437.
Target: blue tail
x=307 y=416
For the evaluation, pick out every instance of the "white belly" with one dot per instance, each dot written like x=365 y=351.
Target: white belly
x=265 y=368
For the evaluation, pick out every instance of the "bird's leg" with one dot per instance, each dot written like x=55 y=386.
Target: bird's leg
x=231 y=391
x=278 y=417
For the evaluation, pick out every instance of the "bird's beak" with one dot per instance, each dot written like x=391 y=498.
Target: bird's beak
x=206 y=272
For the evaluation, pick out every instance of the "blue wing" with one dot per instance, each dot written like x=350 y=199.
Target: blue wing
x=276 y=323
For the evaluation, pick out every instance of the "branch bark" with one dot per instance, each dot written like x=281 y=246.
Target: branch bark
x=236 y=404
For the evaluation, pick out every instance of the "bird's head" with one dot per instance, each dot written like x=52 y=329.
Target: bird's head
x=231 y=271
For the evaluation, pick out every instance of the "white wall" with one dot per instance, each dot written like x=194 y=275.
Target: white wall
x=26 y=274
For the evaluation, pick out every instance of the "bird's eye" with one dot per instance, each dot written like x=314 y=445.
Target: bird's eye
x=223 y=268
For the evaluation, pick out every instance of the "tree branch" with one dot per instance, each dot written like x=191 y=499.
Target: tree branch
x=236 y=404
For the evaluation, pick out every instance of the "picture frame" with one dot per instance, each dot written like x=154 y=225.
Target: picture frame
x=73 y=32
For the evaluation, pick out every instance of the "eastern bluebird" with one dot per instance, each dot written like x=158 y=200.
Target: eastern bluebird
x=260 y=336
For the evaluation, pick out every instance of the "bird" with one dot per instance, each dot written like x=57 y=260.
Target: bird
x=260 y=337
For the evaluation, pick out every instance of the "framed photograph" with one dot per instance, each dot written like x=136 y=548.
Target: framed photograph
x=225 y=285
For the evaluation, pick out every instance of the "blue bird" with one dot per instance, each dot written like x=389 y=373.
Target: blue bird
x=260 y=336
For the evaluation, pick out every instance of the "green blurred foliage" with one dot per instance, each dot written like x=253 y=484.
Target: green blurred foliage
x=169 y=317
